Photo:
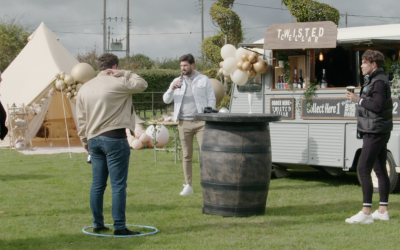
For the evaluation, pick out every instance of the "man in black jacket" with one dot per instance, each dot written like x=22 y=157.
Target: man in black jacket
x=3 y=116
x=374 y=124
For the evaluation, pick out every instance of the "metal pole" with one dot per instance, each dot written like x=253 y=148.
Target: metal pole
x=202 y=26
x=104 y=29
x=346 y=19
x=152 y=103
x=127 y=30
x=108 y=47
x=226 y=38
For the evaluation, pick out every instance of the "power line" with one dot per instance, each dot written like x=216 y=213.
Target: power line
x=191 y=31
x=57 y=26
x=267 y=7
x=386 y=21
x=152 y=34
x=373 y=16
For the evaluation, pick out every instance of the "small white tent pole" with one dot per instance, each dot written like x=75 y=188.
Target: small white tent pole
x=66 y=126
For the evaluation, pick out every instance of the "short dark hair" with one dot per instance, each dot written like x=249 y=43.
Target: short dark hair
x=188 y=57
x=107 y=60
x=374 y=56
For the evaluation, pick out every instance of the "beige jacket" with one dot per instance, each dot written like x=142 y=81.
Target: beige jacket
x=105 y=103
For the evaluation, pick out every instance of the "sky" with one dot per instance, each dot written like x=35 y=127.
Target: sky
x=170 y=28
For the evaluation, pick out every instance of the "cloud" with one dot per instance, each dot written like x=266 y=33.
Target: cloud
x=161 y=28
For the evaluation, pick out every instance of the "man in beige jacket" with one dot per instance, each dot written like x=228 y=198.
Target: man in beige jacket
x=104 y=109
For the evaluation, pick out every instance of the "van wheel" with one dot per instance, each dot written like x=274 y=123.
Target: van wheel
x=393 y=176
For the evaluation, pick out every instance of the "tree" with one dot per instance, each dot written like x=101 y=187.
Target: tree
x=229 y=23
x=13 y=38
x=231 y=26
x=312 y=11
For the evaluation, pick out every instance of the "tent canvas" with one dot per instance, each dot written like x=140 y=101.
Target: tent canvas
x=29 y=78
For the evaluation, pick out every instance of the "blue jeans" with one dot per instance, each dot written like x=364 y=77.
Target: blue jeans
x=109 y=156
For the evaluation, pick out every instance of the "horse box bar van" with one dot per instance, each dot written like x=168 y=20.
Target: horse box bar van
x=324 y=135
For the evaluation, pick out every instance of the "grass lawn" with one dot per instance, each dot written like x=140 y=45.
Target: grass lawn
x=44 y=204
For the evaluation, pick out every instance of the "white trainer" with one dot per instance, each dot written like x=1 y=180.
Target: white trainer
x=378 y=216
x=187 y=190
x=360 y=218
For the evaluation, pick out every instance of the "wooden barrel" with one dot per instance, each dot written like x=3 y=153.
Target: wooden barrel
x=235 y=165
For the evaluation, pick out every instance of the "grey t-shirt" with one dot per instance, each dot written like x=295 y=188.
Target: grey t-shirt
x=188 y=107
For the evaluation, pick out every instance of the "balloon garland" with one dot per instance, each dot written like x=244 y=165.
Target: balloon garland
x=69 y=85
x=240 y=64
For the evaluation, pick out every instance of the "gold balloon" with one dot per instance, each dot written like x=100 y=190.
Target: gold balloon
x=73 y=99
x=247 y=66
x=219 y=90
x=221 y=64
x=253 y=57
x=239 y=65
x=60 y=85
x=221 y=71
x=261 y=66
x=82 y=72
x=245 y=57
x=69 y=80
x=251 y=73
x=227 y=79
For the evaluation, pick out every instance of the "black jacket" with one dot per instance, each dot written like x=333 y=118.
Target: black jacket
x=3 y=128
x=375 y=112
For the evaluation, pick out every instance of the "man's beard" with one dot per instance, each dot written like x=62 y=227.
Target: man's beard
x=189 y=72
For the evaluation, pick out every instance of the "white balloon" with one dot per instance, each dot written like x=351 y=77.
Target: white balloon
x=162 y=135
x=223 y=110
x=239 y=77
x=230 y=64
x=240 y=52
x=136 y=144
x=144 y=137
x=228 y=50
x=226 y=73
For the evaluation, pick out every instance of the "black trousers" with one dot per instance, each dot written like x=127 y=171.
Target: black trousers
x=373 y=156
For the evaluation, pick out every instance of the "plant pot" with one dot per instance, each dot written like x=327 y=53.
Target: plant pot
x=280 y=64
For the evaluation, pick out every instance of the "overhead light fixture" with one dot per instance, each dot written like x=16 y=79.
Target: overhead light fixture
x=321 y=56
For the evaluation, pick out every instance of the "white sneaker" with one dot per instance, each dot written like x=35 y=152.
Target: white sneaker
x=378 y=216
x=360 y=218
x=187 y=190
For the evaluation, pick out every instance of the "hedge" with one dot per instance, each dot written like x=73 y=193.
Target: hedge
x=158 y=81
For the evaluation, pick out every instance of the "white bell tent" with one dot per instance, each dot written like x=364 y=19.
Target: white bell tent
x=28 y=80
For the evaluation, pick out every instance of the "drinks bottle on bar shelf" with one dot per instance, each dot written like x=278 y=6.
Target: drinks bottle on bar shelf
x=324 y=84
x=279 y=82
x=300 y=81
x=295 y=81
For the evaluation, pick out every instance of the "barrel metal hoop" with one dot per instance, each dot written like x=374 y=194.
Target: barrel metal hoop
x=233 y=211
x=238 y=127
x=253 y=187
x=233 y=149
